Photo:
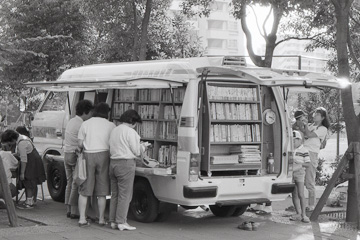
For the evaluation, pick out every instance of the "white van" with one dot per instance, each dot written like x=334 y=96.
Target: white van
x=212 y=122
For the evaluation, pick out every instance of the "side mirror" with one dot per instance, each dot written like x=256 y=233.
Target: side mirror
x=22 y=103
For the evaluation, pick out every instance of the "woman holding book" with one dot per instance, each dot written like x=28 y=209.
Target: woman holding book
x=125 y=147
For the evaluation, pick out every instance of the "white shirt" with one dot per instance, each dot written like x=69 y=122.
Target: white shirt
x=9 y=162
x=95 y=134
x=124 y=143
x=313 y=144
x=71 y=134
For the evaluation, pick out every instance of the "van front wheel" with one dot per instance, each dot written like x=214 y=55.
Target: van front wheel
x=144 y=206
x=224 y=211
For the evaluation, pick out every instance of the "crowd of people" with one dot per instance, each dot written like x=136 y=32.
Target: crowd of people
x=110 y=152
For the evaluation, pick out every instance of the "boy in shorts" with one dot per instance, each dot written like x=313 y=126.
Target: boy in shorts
x=301 y=161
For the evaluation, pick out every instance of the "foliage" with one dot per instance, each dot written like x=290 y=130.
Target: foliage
x=323 y=174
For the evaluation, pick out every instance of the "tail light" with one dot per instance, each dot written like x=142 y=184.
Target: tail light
x=290 y=164
x=194 y=168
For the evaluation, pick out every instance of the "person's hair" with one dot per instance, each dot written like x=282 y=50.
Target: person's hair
x=23 y=131
x=298 y=114
x=84 y=106
x=130 y=116
x=101 y=110
x=9 y=136
x=325 y=122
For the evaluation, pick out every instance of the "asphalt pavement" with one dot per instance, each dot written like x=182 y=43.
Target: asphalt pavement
x=48 y=221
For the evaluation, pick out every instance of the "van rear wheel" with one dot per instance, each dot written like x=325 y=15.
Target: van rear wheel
x=224 y=211
x=144 y=206
x=56 y=180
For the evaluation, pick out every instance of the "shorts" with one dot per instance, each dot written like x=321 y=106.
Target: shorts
x=97 y=181
x=299 y=176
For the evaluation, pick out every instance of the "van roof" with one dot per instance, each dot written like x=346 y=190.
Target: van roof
x=176 y=72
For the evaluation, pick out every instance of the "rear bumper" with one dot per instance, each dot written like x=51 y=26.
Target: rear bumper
x=282 y=188
x=200 y=192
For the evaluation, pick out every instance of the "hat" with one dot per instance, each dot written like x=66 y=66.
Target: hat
x=298 y=114
x=297 y=134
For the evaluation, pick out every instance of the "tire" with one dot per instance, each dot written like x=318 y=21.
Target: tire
x=240 y=210
x=163 y=216
x=144 y=206
x=224 y=211
x=56 y=180
x=189 y=207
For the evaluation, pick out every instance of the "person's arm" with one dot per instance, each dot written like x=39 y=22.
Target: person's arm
x=134 y=144
x=22 y=150
x=81 y=137
x=308 y=133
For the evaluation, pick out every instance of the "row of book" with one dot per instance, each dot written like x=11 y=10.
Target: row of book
x=149 y=111
x=232 y=93
x=125 y=95
x=235 y=133
x=149 y=94
x=120 y=108
x=233 y=111
x=178 y=93
x=167 y=155
x=168 y=130
x=169 y=112
x=147 y=129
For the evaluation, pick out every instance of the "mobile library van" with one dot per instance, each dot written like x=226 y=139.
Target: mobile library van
x=213 y=124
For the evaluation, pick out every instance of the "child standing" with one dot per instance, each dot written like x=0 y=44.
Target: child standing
x=301 y=161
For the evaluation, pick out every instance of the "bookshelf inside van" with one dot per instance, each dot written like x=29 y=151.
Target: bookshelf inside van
x=232 y=129
x=159 y=111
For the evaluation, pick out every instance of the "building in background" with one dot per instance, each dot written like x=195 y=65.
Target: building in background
x=220 y=33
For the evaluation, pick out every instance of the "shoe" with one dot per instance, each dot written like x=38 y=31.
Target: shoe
x=24 y=206
x=102 y=224
x=68 y=214
x=254 y=225
x=246 y=226
x=74 y=216
x=295 y=217
x=305 y=219
x=310 y=209
x=114 y=225
x=290 y=209
x=125 y=226
x=85 y=224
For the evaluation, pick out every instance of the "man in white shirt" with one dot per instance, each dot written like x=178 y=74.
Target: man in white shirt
x=83 y=112
x=94 y=135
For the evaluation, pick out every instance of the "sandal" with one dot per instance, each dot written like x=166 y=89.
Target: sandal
x=85 y=224
x=103 y=223
x=262 y=213
x=246 y=226
x=254 y=225
x=290 y=209
x=295 y=217
x=305 y=219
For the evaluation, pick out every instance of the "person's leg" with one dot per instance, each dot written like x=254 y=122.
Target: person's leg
x=125 y=175
x=300 y=191
x=114 y=192
x=102 y=182
x=82 y=208
x=74 y=191
x=69 y=178
x=310 y=175
x=295 y=199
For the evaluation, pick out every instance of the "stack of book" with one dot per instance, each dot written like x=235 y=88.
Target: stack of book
x=247 y=153
x=225 y=159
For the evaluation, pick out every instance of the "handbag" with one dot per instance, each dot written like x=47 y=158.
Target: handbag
x=80 y=170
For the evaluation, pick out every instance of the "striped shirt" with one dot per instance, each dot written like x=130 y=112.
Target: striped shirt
x=301 y=155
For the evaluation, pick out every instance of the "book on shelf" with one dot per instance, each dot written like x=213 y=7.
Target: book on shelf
x=169 y=112
x=168 y=130
x=147 y=129
x=120 y=108
x=232 y=93
x=149 y=94
x=225 y=159
x=125 y=95
x=167 y=155
x=235 y=133
x=149 y=111
x=247 y=153
x=233 y=111
x=178 y=94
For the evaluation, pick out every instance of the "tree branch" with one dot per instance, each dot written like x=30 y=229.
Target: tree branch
x=257 y=22
x=298 y=38
x=266 y=19
x=355 y=21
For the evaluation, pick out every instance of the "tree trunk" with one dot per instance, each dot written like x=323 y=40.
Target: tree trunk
x=144 y=30
x=342 y=8
x=135 y=32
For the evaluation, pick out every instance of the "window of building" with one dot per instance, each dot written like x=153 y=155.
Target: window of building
x=232 y=43
x=216 y=24
x=233 y=26
x=219 y=6
x=215 y=43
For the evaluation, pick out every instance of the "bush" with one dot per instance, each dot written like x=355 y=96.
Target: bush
x=323 y=174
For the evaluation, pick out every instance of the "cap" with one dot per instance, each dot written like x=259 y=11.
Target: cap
x=297 y=134
x=298 y=114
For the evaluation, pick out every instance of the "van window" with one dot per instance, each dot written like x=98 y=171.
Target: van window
x=55 y=101
x=94 y=96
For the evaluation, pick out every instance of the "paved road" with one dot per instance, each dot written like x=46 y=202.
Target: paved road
x=48 y=221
